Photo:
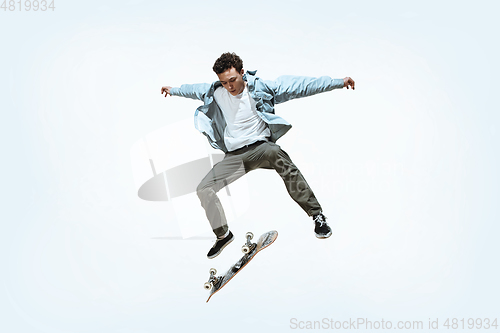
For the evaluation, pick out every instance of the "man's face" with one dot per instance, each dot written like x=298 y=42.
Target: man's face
x=232 y=81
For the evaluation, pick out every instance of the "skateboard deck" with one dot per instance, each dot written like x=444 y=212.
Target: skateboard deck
x=215 y=284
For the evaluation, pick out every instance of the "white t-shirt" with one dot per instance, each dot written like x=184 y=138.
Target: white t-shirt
x=244 y=126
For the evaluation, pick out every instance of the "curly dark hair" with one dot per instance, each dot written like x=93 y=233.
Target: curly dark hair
x=226 y=61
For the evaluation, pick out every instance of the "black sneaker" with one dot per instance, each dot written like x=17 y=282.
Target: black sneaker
x=219 y=245
x=321 y=229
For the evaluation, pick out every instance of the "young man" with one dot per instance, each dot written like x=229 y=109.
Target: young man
x=238 y=118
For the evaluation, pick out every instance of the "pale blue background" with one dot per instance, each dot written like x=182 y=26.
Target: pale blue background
x=404 y=166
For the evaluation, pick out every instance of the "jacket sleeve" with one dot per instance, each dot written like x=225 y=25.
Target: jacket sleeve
x=194 y=91
x=288 y=87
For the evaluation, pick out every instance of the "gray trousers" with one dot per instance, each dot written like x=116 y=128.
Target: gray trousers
x=236 y=164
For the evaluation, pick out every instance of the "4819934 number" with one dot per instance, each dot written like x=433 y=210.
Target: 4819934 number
x=27 y=5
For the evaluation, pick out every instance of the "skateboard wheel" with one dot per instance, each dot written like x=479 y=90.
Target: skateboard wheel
x=245 y=249
x=212 y=271
x=207 y=285
x=249 y=234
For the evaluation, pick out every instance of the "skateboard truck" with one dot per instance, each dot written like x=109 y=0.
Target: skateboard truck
x=247 y=247
x=212 y=280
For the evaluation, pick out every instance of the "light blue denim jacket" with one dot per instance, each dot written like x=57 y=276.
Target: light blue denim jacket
x=209 y=120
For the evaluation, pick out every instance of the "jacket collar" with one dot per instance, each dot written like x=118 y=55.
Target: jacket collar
x=249 y=77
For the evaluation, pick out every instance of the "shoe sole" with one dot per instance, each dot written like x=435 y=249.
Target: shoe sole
x=324 y=236
x=222 y=248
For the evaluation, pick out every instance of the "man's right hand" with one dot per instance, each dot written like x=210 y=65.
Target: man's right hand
x=348 y=82
x=166 y=90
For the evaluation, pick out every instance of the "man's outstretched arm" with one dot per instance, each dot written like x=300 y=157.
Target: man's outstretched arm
x=194 y=91
x=290 y=87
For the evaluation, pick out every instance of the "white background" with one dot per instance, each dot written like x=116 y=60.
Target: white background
x=404 y=166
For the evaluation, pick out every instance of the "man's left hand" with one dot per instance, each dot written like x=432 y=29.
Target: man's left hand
x=348 y=82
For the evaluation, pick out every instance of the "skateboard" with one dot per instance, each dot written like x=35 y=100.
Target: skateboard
x=215 y=283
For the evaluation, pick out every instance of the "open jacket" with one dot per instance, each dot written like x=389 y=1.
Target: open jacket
x=209 y=120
